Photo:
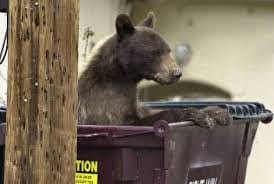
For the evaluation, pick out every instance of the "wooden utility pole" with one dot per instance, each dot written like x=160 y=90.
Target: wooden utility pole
x=42 y=92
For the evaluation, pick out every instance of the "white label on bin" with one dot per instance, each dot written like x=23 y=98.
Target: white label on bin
x=86 y=172
x=205 y=181
x=205 y=175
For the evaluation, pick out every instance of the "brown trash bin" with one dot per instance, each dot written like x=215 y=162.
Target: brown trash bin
x=175 y=153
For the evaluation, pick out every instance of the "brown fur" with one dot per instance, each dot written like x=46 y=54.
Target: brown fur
x=108 y=87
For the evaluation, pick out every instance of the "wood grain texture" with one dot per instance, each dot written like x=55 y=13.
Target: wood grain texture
x=42 y=92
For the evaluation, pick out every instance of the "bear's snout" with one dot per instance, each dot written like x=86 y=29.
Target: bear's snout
x=168 y=70
x=177 y=74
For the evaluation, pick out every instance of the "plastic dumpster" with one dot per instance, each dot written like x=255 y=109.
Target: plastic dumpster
x=174 y=153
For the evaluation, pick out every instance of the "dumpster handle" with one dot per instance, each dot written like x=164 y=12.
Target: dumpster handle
x=94 y=135
x=107 y=134
x=268 y=117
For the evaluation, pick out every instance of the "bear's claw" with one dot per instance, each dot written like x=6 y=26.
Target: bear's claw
x=220 y=115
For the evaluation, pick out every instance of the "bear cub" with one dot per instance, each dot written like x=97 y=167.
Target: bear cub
x=107 y=88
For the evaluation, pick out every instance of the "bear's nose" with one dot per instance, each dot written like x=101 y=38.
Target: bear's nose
x=177 y=74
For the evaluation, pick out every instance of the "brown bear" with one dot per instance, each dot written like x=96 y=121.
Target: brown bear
x=107 y=88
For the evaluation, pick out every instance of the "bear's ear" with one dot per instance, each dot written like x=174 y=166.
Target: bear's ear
x=149 y=21
x=124 y=27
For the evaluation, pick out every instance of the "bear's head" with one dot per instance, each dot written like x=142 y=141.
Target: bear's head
x=143 y=53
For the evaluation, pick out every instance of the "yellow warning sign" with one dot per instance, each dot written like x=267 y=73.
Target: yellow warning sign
x=86 y=172
x=84 y=178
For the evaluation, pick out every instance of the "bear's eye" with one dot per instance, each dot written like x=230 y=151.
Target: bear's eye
x=156 y=52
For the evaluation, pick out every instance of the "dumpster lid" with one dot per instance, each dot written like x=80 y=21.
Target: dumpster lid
x=238 y=110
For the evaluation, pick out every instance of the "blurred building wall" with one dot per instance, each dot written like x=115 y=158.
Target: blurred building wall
x=233 y=47
x=99 y=16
